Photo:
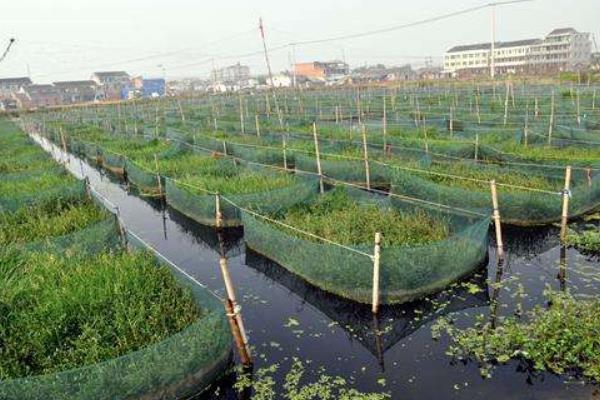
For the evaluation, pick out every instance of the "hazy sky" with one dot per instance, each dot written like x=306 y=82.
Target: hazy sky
x=69 y=39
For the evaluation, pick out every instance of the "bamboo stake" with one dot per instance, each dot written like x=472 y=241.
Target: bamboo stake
x=565 y=205
x=285 y=164
x=506 y=104
x=478 y=108
x=160 y=189
x=181 y=112
x=384 y=123
x=589 y=176
x=578 y=110
x=551 y=127
x=497 y=221
x=318 y=156
x=257 y=122
x=451 y=122
x=218 y=212
x=242 y=121
x=526 y=128
x=232 y=309
x=366 y=157
x=594 y=100
x=537 y=109
x=376 y=267
x=476 y=146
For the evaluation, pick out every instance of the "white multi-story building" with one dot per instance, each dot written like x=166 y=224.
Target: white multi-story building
x=561 y=50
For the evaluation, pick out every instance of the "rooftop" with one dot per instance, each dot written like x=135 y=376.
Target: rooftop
x=106 y=74
x=74 y=83
x=562 y=31
x=499 y=45
x=15 y=81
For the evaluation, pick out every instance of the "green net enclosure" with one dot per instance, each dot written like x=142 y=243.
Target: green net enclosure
x=200 y=205
x=409 y=269
x=181 y=366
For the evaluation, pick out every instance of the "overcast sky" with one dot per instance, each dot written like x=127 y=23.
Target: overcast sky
x=69 y=39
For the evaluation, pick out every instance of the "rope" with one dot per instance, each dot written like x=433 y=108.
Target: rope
x=254 y=214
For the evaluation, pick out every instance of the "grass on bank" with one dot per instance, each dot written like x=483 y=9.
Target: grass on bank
x=58 y=314
x=56 y=219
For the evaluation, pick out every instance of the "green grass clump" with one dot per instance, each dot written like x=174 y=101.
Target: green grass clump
x=339 y=218
x=562 y=338
x=245 y=182
x=587 y=241
x=33 y=184
x=58 y=314
x=35 y=223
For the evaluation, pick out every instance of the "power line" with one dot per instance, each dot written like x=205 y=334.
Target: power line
x=411 y=24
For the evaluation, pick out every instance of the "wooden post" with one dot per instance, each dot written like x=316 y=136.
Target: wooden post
x=589 y=176
x=451 y=122
x=497 y=222
x=376 y=267
x=551 y=127
x=242 y=121
x=537 y=109
x=285 y=163
x=565 y=205
x=506 y=104
x=478 y=108
x=384 y=123
x=476 y=146
x=233 y=311
x=257 y=125
x=160 y=190
x=318 y=157
x=578 y=110
x=218 y=212
x=366 y=157
x=526 y=128
x=181 y=112
x=594 y=100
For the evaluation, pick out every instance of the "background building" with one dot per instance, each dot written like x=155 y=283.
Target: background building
x=36 y=96
x=561 y=50
x=9 y=86
x=112 y=83
x=233 y=75
x=322 y=70
x=74 y=92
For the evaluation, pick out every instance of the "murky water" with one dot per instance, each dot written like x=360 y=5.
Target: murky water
x=287 y=318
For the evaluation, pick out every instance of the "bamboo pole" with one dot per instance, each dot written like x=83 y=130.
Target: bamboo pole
x=478 y=108
x=376 y=268
x=476 y=146
x=160 y=189
x=588 y=172
x=257 y=122
x=181 y=112
x=537 y=109
x=565 y=205
x=318 y=157
x=506 y=103
x=232 y=309
x=284 y=145
x=594 y=100
x=578 y=109
x=497 y=221
x=551 y=127
x=384 y=123
x=218 y=212
x=526 y=128
x=451 y=123
x=366 y=157
x=242 y=121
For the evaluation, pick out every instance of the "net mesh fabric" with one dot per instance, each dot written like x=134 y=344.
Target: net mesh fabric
x=407 y=273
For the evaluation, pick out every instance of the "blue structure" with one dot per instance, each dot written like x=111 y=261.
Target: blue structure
x=154 y=87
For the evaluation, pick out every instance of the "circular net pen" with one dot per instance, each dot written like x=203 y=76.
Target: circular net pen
x=408 y=272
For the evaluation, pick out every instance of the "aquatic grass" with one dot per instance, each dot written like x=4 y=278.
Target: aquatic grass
x=561 y=339
x=339 y=218
x=62 y=313
x=588 y=240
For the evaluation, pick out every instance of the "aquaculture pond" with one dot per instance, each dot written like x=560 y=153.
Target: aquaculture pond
x=403 y=352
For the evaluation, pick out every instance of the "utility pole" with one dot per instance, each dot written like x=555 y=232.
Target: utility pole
x=268 y=61
x=10 y=44
x=493 y=46
x=294 y=64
